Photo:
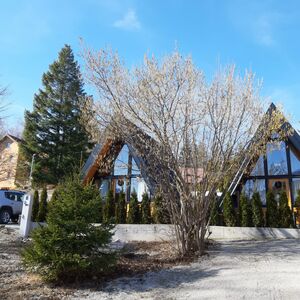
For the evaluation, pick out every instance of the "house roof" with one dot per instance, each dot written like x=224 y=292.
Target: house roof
x=12 y=137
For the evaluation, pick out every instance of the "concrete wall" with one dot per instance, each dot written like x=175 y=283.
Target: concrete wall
x=160 y=232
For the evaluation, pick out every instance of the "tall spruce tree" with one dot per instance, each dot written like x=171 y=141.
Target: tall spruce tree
x=257 y=212
x=272 y=210
x=53 y=130
x=284 y=212
x=228 y=211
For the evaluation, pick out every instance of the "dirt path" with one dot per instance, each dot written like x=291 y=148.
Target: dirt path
x=234 y=270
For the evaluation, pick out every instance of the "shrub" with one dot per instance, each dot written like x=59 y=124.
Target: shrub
x=214 y=213
x=257 y=213
x=109 y=208
x=134 y=215
x=245 y=211
x=35 y=206
x=160 y=213
x=297 y=201
x=272 y=210
x=145 y=209
x=70 y=247
x=41 y=217
x=284 y=211
x=121 y=209
x=228 y=211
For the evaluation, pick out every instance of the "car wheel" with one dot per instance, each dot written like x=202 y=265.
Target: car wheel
x=4 y=216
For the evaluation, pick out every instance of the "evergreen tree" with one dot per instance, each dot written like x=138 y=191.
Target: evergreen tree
x=134 y=215
x=257 y=213
x=35 y=206
x=41 y=217
x=228 y=211
x=272 y=210
x=109 y=208
x=121 y=209
x=160 y=213
x=53 y=130
x=70 y=247
x=245 y=212
x=146 y=209
x=214 y=213
x=284 y=211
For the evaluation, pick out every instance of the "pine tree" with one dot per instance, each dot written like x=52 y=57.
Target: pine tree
x=53 y=130
x=134 y=215
x=35 y=206
x=284 y=211
x=121 y=209
x=228 y=211
x=272 y=210
x=109 y=208
x=257 y=213
x=145 y=209
x=41 y=217
x=245 y=212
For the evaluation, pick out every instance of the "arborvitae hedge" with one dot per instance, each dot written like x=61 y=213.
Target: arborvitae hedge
x=228 y=211
x=160 y=213
x=41 y=217
x=272 y=210
x=134 y=214
x=35 y=206
x=214 y=213
x=245 y=211
x=257 y=212
x=109 y=208
x=120 y=209
x=70 y=247
x=284 y=211
x=145 y=209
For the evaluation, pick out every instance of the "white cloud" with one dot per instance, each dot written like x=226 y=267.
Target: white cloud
x=129 y=21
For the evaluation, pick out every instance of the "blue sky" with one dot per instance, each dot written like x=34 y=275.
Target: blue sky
x=259 y=35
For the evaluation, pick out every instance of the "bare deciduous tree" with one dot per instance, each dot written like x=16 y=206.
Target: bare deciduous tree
x=196 y=132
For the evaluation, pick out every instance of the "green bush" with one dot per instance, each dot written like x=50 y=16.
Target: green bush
x=134 y=214
x=41 y=217
x=297 y=201
x=214 y=213
x=257 y=212
x=146 y=210
x=272 y=210
x=121 y=209
x=109 y=208
x=245 y=209
x=160 y=212
x=228 y=211
x=35 y=206
x=71 y=248
x=284 y=211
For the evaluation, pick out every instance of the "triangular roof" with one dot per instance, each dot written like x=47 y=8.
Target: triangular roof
x=12 y=137
x=293 y=138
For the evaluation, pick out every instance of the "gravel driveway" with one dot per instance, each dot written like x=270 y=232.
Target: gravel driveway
x=233 y=270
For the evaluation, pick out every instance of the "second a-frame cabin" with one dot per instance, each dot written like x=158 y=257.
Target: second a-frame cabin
x=277 y=169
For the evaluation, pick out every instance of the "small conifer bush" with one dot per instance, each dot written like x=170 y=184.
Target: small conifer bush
x=228 y=211
x=121 y=209
x=109 y=208
x=245 y=211
x=70 y=247
x=257 y=212
x=146 y=210
x=134 y=214
x=160 y=212
x=284 y=211
x=272 y=210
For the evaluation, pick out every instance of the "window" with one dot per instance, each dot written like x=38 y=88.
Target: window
x=121 y=163
x=295 y=162
x=276 y=157
x=259 y=169
x=104 y=188
x=135 y=170
x=139 y=186
x=255 y=185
